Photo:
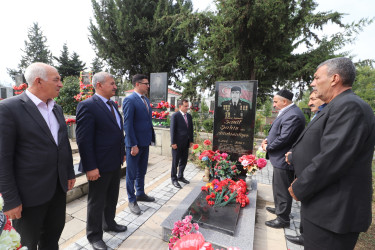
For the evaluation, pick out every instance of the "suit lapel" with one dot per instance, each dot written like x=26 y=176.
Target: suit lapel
x=283 y=113
x=104 y=108
x=32 y=109
x=61 y=120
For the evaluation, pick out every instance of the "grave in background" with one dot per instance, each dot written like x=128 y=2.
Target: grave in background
x=158 y=88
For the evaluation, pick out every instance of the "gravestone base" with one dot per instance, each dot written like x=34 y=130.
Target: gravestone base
x=243 y=237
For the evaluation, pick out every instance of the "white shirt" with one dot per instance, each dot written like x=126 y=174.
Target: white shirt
x=283 y=109
x=45 y=110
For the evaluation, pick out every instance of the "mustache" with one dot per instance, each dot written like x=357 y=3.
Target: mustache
x=312 y=105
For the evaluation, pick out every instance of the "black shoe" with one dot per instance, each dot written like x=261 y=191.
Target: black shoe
x=276 y=223
x=272 y=210
x=176 y=184
x=134 y=208
x=146 y=198
x=99 y=245
x=117 y=228
x=183 y=180
x=295 y=239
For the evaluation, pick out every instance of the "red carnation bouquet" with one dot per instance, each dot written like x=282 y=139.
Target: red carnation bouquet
x=252 y=164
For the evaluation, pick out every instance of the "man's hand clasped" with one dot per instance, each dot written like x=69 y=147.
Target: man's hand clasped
x=93 y=175
x=134 y=151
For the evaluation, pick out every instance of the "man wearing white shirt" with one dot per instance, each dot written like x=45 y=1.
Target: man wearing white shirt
x=36 y=167
x=181 y=130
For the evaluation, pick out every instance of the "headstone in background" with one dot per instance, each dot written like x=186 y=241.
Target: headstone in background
x=212 y=105
x=234 y=124
x=19 y=79
x=3 y=93
x=86 y=77
x=158 y=87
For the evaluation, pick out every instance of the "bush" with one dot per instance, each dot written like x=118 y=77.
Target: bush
x=208 y=125
x=66 y=97
x=266 y=128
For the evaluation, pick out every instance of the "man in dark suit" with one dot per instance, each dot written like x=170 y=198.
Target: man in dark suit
x=36 y=165
x=182 y=137
x=283 y=133
x=100 y=140
x=332 y=159
x=139 y=133
x=235 y=108
x=316 y=105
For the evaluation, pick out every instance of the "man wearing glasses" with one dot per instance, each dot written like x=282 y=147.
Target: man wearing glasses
x=139 y=133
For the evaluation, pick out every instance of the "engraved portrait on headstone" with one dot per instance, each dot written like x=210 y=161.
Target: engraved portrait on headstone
x=234 y=117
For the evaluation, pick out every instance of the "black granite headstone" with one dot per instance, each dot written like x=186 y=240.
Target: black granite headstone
x=158 y=87
x=3 y=93
x=235 y=117
x=221 y=219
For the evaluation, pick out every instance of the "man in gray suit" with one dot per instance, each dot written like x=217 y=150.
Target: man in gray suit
x=36 y=165
x=283 y=133
x=332 y=158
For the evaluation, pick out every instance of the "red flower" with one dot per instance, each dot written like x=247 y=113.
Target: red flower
x=195 y=146
x=207 y=142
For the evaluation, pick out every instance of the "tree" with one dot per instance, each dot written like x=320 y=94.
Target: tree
x=69 y=66
x=256 y=40
x=141 y=36
x=35 y=50
x=67 y=93
x=364 y=85
x=97 y=65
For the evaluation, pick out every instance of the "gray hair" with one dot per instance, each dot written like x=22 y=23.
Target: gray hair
x=342 y=66
x=100 y=77
x=35 y=70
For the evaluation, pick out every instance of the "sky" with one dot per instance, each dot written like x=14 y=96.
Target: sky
x=67 y=21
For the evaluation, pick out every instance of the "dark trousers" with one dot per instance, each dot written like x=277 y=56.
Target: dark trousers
x=136 y=169
x=101 y=204
x=317 y=238
x=41 y=226
x=179 y=159
x=283 y=201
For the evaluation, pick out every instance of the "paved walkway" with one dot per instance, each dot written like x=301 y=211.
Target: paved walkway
x=144 y=231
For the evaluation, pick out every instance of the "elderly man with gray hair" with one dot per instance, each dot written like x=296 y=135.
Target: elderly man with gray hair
x=100 y=140
x=36 y=165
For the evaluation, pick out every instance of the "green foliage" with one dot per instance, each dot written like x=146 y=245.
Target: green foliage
x=208 y=125
x=35 y=50
x=141 y=36
x=256 y=40
x=204 y=107
x=266 y=128
x=97 y=65
x=259 y=121
x=69 y=65
x=67 y=93
x=267 y=108
x=364 y=85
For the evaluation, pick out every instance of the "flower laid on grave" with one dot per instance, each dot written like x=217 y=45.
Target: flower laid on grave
x=195 y=241
x=224 y=168
x=85 y=90
x=9 y=238
x=162 y=105
x=19 y=90
x=221 y=193
x=161 y=115
x=70 y=121
x=182 y=228
x=252 y=164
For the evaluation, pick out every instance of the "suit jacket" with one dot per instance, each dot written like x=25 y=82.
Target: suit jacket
x=181 y=134
x=332 y=159
x=100 y=139
x=283 y=133
x=30 y=160
x=137 y=122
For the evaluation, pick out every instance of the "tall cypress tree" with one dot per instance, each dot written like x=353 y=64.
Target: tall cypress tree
x=35 y=50
x=69 y=65
x=141 y=36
